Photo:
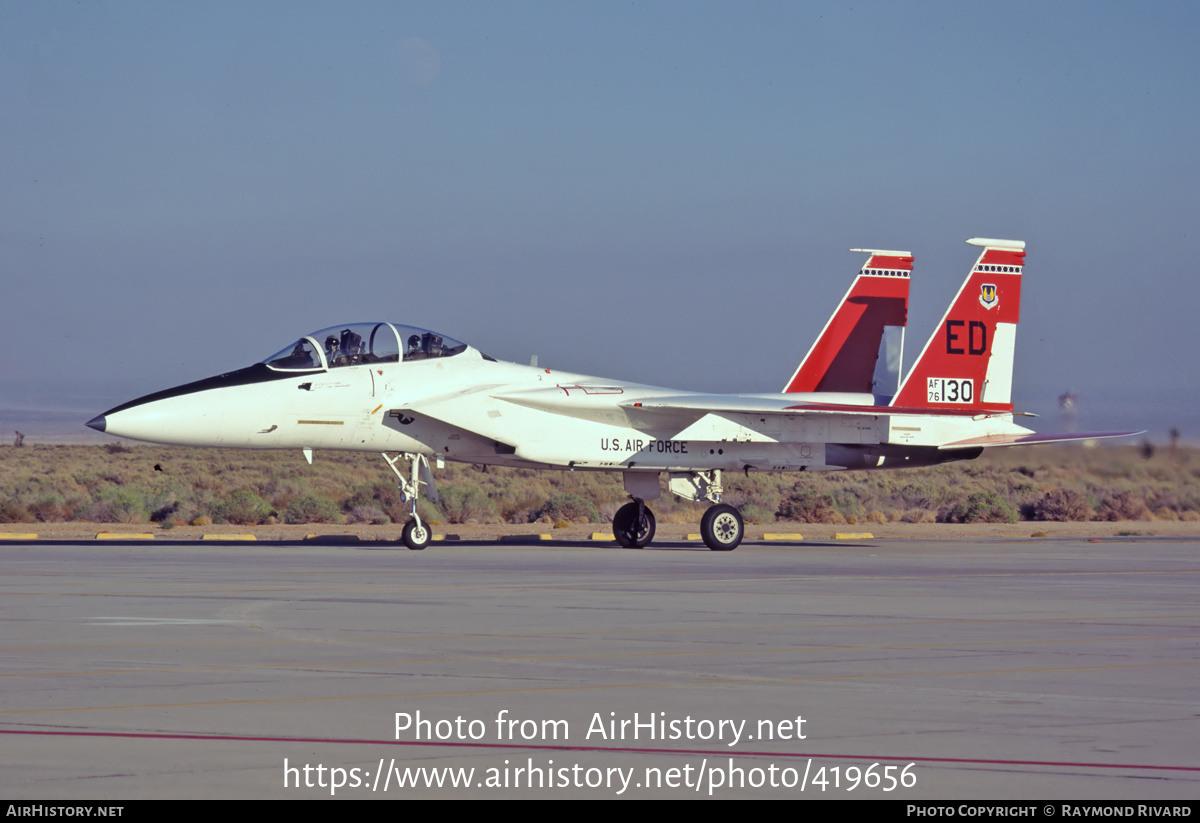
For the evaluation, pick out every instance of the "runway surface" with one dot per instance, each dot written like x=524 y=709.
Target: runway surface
x=1021 y=669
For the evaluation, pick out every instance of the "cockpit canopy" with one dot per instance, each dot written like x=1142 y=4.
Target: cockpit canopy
x=358 y=343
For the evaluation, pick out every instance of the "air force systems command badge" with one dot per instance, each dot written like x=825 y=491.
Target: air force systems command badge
x=987 y=296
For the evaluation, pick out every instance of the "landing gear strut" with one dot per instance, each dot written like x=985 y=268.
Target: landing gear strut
x=416 y=533
x=633 y=525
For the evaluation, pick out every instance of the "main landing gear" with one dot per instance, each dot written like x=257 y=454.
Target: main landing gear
x=721 y=527
x=417 y=533
x=633 y=525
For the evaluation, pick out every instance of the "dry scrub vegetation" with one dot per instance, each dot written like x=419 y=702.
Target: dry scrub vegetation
x=120 y=484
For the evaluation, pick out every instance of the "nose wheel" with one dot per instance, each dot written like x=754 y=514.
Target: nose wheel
x=416 y=534
x=722 y=528
x=633 y=525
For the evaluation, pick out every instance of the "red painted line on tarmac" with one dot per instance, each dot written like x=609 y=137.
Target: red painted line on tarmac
x=616 y=749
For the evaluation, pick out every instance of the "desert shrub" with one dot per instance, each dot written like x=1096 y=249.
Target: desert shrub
x=383 y=497
x=163 y=505
x=13 y=512
x=806 y=506
x=1019 y=484
x=206 y=482
x=243 y=508
x=1171 y=499
x=1062 y=504
x=1124 y=506
x=982 y=507
x=313 y=508
x=848 y=501
x=570 y=507
x=517 y=504
x=76 y=503
x=89 y=480
x=609 y=510
x=461 y=504
x=365 y=513
x=756 y=496
x=80 y=481
x=428 y=512
x=923 y=494
x=117 y=505
x=50 y=508
x=757 y=513
x=165 y=511
x=281 y=495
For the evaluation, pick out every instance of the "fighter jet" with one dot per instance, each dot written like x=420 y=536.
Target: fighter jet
x=415 y=395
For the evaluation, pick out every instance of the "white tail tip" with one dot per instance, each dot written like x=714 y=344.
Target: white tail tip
x=991 y=243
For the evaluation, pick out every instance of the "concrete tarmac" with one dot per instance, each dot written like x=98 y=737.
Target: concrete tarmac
x=903 y=669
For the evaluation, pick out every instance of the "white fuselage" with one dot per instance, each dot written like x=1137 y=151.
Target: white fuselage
x=473 y=409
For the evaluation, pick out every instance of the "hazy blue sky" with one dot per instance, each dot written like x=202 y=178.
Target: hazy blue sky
x=663 y=191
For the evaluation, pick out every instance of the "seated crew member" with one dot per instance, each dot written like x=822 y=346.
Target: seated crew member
x=332 y=351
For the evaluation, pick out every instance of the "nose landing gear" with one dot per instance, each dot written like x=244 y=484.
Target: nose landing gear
x=416 y=534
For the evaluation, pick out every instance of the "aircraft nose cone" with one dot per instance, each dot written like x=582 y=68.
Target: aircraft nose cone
x=98 y=423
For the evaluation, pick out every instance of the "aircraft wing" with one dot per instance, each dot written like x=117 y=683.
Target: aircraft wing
x=646 y=407
x=452 y=421
x=641 y=406
x=694 y=406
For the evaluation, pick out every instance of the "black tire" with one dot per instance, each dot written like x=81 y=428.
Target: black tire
x=722 y=528
x=416 y=537
x=632 y=534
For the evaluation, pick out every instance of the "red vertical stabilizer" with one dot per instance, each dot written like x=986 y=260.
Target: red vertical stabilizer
x=967 y=363
x=843 y=358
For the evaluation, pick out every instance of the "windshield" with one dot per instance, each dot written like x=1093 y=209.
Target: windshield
x=300 y=356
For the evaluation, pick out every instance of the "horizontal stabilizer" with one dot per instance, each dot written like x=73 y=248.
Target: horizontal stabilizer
x=1032 y=439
